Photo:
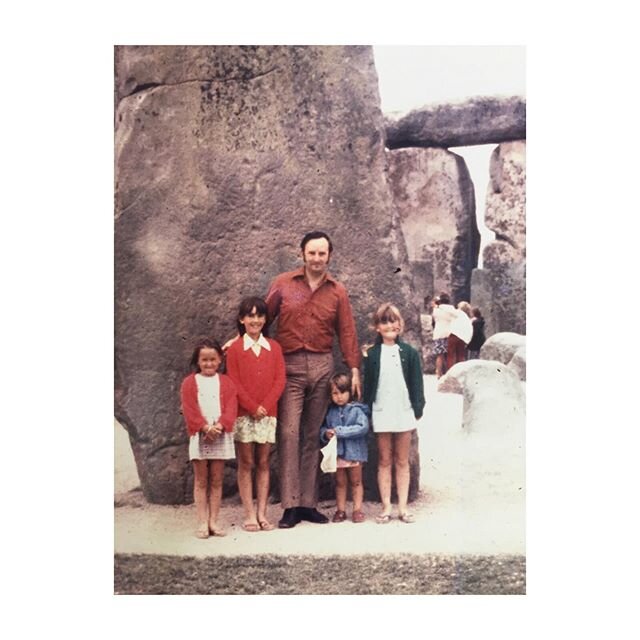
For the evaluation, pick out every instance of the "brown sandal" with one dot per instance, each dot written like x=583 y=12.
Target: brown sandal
x=339 y=516
x=358 y=516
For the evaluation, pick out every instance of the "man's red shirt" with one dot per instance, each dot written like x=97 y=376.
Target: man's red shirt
x=308 y=320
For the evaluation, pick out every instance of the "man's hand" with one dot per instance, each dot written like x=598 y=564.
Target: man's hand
x=355 y=384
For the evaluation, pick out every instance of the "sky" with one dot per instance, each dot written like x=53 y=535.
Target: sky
x=413 y=76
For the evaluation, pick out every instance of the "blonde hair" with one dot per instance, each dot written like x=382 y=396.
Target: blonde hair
x=465 y=306
x=388 y=312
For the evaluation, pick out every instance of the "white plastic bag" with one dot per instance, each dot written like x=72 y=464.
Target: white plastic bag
x=329 y=456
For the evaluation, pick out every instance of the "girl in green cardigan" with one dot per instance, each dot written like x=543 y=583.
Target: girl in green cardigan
x=393 y=389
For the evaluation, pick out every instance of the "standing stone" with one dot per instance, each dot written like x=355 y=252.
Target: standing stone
x=225 y=156
x=434 y=197
x=500 y=289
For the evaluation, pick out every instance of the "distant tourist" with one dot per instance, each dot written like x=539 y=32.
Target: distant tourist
x=256 y=366
x=209 y=407
x=460 y=335
x=393 y=389
x=348 y=422
x=443 y=315
x=478 y=338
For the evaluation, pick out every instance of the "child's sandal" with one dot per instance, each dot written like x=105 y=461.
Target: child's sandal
x=406 y=518
x=383 y=518
x=357 y=516
x=339 y=516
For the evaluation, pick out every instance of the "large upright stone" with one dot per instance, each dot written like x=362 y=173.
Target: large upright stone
x=225 y=157
x=500 y=289
x=434 y=197
x=482 y=120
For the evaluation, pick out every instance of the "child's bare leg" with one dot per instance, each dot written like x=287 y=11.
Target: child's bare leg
x=402 y=445
x=262 y=483
x=357 y=490
x=244 y=451
x=200 y=483
x=341 y=489
x=439 y=363
x=216 y=471
x=384 y=471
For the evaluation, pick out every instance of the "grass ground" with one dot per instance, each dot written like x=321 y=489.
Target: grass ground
x=282 y=575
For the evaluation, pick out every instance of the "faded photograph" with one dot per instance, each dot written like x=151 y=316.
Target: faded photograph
x=320 y=327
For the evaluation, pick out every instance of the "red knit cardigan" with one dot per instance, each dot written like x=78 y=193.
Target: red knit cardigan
x=259 y=379
x=191 y=409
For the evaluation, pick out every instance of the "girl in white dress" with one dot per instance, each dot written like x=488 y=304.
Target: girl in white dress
x=209 y=406
x=393 y=388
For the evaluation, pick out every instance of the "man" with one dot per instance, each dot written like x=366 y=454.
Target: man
x=312 y=307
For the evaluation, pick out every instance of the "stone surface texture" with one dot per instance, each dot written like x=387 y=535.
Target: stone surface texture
x=502 y=346
x=434 y=198
x=493 y=425
x=225 y=157
x=518 y=363
x=481 y=120
x=500 y=291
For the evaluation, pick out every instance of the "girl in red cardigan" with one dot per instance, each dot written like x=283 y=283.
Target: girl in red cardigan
x=209 y=407
x=256 y=366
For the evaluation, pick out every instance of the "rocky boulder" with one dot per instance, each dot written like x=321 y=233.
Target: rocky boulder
x=225 y=157
x=482 y=120
x=491 y=445
x=518 y=363
x=493 y=395
x=502 y=346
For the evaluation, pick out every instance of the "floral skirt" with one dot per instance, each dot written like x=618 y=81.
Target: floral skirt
x=440 y=346
x=248 y=429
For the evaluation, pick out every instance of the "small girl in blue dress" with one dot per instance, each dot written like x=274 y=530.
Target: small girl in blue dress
x=348 y=421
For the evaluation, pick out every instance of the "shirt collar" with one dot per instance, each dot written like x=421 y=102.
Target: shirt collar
x=299 y=273
x=247 y=342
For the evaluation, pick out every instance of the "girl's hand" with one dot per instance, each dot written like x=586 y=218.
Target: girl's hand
x=213 y=431
x=217 y=428
x=260 y=413
x=329 y=433
x=208 y=432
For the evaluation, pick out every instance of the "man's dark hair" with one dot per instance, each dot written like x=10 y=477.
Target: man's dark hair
x=316 y=235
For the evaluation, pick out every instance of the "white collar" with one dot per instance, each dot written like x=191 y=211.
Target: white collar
x=247 y=342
